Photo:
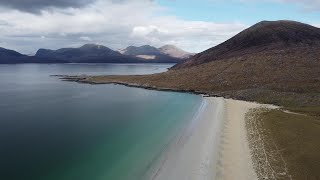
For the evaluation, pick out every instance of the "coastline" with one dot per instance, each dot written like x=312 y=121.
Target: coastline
x=303 y=112
x=213 y=146
x=193 y=153
x=87 y=80
x=231 y=158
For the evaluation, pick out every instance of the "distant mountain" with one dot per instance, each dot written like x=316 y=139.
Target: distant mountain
x=8 y=56
x=165 y=54
x=94 y=53
x=176 y=52
x=142 y=50
x=88 y=53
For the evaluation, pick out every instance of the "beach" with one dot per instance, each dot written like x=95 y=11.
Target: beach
x=213 y=146
x=235 y=158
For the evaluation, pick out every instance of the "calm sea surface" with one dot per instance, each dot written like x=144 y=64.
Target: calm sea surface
x=55 y=130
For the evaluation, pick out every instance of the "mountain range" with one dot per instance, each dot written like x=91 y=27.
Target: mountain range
x=93 y=53
x=8 y=56
x=165 y=53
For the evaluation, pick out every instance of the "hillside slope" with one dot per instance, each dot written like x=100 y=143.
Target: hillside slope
x=262 y=37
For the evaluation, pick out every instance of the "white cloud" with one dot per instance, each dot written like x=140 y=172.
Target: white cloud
x=85 y=38
x=308 y=5
x=143 y=31
x=116 y=25
x=316 y=25
x=36 y=6
x=194 y=36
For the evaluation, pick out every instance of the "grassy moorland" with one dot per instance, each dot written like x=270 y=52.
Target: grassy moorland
x=284 y=145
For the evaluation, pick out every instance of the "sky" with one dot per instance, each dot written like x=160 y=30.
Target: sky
x=193 y=25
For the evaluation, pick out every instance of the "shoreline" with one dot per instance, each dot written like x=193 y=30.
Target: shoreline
x=84 y=80
x=227 y=155
x=193 y=153
x=213 y=146
x=169 y=81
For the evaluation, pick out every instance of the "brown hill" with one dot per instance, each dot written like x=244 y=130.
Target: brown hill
x=264 y=36
x=176 y=52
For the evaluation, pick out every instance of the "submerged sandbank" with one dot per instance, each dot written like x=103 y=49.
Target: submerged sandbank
x=213 y=146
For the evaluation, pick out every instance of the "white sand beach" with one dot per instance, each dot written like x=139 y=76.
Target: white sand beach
x=213 y=147
x=235 y=161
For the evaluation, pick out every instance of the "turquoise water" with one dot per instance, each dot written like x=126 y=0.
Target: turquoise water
x=55 y=130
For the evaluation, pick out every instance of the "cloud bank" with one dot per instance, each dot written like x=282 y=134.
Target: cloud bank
x=36 y=6
x=309 y=5
x=114 y=24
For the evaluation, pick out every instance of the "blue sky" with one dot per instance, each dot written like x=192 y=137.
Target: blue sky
x=248 y=12
x=193 y=25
